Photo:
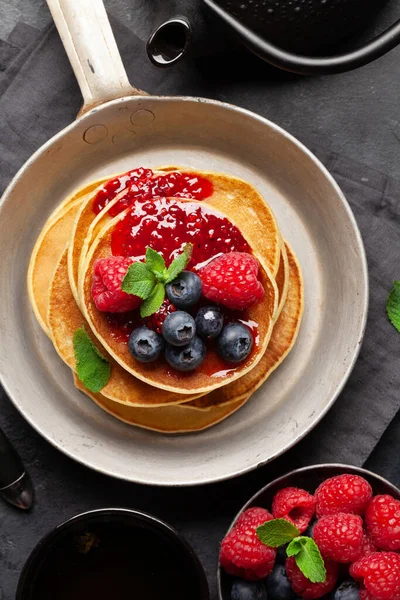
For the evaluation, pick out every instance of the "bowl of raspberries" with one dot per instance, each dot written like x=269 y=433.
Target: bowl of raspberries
x=326 y=531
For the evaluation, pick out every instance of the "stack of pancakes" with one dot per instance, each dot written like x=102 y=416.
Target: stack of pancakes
x=59 y=285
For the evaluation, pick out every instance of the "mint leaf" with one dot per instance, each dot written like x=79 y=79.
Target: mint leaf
x=277 y=532
x=393 y=306
x=179 y=263
x=154 y=261
x=147 y=280
x=308 y=558
x=154 y=301
x=294 y=547
x=139 y=280
x=92 y=368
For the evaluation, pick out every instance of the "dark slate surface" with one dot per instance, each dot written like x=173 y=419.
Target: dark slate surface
x=352 y=123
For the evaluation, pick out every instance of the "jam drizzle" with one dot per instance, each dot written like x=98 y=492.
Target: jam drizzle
x=141 y=184
x=167 y=225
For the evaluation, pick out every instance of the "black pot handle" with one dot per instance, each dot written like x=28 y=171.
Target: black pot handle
x=169 y=42
x=307 y=65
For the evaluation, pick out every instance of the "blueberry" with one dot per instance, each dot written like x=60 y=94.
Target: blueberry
x=178 y=328
x=185 y=290
x=209 y=322
x=186 y=358
x=279 y=586
x=145 y=344
x=235 y=342
x=348 y=590
x=248 y=590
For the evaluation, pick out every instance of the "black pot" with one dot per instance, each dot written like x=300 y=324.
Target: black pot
x=303 y=25
x=297 y=36
x=138 y=526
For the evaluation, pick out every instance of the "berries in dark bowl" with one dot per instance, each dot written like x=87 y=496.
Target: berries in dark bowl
x=209 y=322
x=186 y=358
x=235 y=343
x=335 y=488
x=185 y=290
x=178 y=328
x=145 y=344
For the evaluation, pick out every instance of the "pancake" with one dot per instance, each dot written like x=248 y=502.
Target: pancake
x=158 y=373
x=282 y=341
x=230 y=194
x=166 y=419
x=44 y=259
x=49 y=248
x=282 y=278
x=64 y=317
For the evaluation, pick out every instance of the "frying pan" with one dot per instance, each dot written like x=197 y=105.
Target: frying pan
x=119 y=128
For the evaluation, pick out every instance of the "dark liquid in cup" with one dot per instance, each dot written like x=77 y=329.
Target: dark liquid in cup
x=108 y=561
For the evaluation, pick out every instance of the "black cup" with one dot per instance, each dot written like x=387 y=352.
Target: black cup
x=80 y=540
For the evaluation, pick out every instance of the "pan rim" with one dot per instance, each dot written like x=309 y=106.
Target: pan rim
x=364 y=294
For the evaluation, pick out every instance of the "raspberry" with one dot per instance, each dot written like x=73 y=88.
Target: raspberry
x=304 y=587
x=294 y=505
x=383 y=522
x=380 y=574
x=253 y=515
x=339 y=537
x=107 y=295
x=231 y=279
x=344 y=493
x=242 y=554
x=365 y=595
x=156 y=320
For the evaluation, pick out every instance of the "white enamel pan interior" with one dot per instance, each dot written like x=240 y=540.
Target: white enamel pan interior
x=122 y=128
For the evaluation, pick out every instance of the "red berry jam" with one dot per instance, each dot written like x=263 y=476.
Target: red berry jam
x=122 y=324
x=167 y=225
x=141 y=184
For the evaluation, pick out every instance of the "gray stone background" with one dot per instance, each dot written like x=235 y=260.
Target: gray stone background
x=352 y=122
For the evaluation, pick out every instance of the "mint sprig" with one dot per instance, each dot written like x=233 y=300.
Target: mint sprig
x=147 y=280
x=93 y=369
x=278 y=532
x=393 y=306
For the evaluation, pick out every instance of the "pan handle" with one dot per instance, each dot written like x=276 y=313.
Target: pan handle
x=89 y=42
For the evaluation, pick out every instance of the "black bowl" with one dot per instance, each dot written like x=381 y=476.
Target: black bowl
x=95 y=546
x=308 y=478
